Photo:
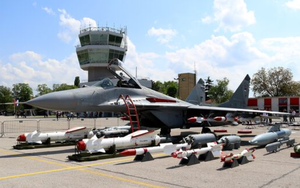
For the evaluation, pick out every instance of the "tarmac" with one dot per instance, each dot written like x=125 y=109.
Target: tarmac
x=50 y=167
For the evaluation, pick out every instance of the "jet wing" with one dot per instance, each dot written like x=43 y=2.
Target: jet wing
x=237 y=110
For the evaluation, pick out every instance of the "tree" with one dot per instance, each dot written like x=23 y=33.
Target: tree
x=43 y=89
x=22 y=91
x=172 y=91
x=5 y=96
x=208 y=85
x=156 y=86
x=77 y=81
x=61 y=87
x=276 y=81
x=220 y=93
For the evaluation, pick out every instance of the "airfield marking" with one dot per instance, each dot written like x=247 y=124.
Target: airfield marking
x=67 y=167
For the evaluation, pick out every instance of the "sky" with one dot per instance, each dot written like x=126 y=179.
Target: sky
x=215 y=38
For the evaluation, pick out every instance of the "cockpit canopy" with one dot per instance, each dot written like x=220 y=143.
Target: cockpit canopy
x=105 y=83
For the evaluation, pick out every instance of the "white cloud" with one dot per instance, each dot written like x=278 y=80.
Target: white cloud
x=29 y=67
x=70 y=27
x=295 y=4
x=48 y=10
x=164 y=35
x=231 y=15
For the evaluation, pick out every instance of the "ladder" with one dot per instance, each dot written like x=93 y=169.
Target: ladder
x=132 y=113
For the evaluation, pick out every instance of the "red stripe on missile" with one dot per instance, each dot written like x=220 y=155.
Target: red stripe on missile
x=192 y=120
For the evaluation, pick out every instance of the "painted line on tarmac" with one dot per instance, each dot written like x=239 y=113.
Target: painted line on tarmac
x=77 y=168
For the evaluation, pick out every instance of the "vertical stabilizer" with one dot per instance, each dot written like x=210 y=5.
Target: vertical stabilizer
x=197 y=96
x=240 y=97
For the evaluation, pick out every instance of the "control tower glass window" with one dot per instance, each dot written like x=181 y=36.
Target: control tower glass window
x=85 y=40
x=115 y=40
x=116 y=54
x=99 y=39
x=98 y=55
x=83 y=57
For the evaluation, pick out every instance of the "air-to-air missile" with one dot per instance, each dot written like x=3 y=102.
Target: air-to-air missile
x=161 y=148
x=140 y=138
x=70 y=135
x=245 y=153
x=273 y=135
x=212 y=146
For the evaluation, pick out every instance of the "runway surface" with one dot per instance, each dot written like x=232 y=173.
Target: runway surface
x=50 y=167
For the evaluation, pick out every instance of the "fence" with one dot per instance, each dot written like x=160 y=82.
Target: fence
x=15 y=127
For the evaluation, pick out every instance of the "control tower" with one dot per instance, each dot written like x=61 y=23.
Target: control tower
x=98 y=45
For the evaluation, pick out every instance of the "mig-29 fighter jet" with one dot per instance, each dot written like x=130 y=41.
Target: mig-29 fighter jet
x=154 y=109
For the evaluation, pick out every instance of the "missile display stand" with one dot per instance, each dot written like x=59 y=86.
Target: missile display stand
x=80 y=157
x=144 y=157
x=46 y=144
x=232 y=164
x=191 y=160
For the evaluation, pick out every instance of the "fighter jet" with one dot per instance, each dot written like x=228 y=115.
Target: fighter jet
x=154 y=109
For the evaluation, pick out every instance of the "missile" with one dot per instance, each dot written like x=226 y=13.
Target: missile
x=140 y=138
x=212 y=146
x=224 y=118
x=161 y=148
x=73 y=134
x=113 y=131
x=228 y=140
x=272 y=135
x=246 y=152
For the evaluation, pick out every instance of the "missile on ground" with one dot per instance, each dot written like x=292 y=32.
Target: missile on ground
x=113 y=131
x=198 y=139
x=212 y=146
x=246 y=152
x=165 y=147
x=230 y=142
x=140 y=138
x=272 y=135
x=73 y=134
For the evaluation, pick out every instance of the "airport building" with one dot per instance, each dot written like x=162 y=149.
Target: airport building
x=275 y=103
x=186 y=83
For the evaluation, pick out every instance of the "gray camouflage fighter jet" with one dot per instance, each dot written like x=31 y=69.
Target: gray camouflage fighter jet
x=154 y=109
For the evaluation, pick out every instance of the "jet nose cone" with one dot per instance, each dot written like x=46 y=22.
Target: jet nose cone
x=62 y=101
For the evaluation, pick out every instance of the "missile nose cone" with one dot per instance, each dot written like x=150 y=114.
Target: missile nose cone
x=253 y=142
x=192 y=120
x=21 y=138
x=61 y=100
x=128 y=152
x=81 y=146
x=174 y=154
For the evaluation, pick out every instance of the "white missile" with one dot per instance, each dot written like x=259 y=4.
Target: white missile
x=140 y=138
x=73 y=134
x=161 y=148
x=246 y=152
x=212 y=146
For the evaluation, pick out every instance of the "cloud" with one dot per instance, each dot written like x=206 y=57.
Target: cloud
x=231 y=15
x=70 y=27
x=295 y=4
x=48 y=10
x=164 y=36
x=29 y=67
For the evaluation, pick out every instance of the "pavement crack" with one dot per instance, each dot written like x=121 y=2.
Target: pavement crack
x=276 y=179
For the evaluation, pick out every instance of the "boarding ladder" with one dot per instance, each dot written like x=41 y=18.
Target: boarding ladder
x=132 y=112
